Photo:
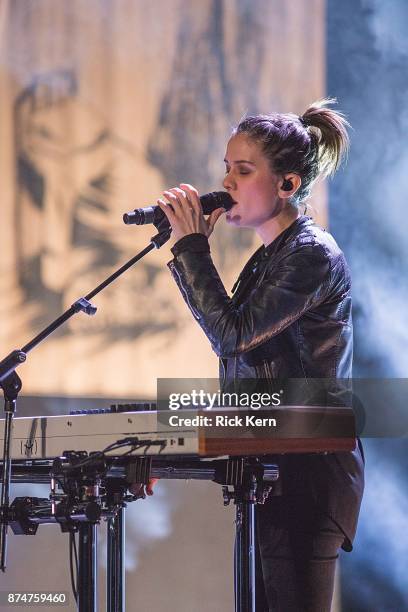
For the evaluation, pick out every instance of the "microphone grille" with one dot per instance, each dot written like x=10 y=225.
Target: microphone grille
x=218 y=199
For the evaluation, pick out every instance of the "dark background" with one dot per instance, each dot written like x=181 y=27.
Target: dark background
x=367 y=53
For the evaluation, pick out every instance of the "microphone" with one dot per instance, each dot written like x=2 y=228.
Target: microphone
x=154 y=214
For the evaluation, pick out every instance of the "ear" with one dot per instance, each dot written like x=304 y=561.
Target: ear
x=289 y=185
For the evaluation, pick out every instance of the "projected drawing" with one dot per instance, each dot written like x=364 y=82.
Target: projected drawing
x=72 y=192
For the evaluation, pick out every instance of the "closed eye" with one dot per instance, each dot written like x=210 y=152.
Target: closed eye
x=239 y=171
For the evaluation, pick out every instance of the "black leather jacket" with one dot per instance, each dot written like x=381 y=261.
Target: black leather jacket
x=290 y=317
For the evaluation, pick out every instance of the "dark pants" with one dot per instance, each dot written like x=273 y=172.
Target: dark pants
x=297 y=548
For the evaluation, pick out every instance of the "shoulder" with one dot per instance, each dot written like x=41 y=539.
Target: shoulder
x=311 y=240
x=311 y=254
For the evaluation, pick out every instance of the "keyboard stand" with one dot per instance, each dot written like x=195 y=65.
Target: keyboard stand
x=245 y=480
x=251 y=481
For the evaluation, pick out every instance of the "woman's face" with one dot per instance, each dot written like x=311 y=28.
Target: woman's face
x=251 y=184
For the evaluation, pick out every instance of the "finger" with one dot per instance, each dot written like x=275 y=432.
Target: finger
x=173 y=200
x=166 y=208
x=182 y=198
x=213 y=218
x=150 y=485
x=193 y=196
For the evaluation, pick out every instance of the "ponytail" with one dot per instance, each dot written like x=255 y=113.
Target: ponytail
x=329 y=128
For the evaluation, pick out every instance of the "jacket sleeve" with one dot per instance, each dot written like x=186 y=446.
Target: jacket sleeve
x=296 y=283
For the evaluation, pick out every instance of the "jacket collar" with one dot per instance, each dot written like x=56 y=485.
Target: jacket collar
x=262 y=253
x=286 y=236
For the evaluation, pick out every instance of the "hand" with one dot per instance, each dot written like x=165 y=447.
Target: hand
x=138 y=488
x=185 y=214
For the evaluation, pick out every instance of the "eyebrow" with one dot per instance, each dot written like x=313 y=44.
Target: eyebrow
x=240 y=161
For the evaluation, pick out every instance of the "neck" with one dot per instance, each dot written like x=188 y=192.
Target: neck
x=271 y=229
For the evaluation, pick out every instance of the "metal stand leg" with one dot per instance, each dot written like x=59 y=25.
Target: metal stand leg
x=245 y=557
x=5 y=489
x=252 y=483
x=87 y=585
x=115 y=584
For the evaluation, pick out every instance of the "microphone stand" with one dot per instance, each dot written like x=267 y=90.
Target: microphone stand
x=11 y=383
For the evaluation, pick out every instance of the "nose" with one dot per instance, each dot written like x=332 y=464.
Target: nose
x=228 y=183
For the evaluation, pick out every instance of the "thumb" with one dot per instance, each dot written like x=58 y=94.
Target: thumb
x=149 y=487
x=213 y=218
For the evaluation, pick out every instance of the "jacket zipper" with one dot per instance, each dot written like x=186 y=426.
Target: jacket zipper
x=268 y=375
x=224 y=374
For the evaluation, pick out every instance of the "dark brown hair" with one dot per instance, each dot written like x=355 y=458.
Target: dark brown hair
x=311 y=145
